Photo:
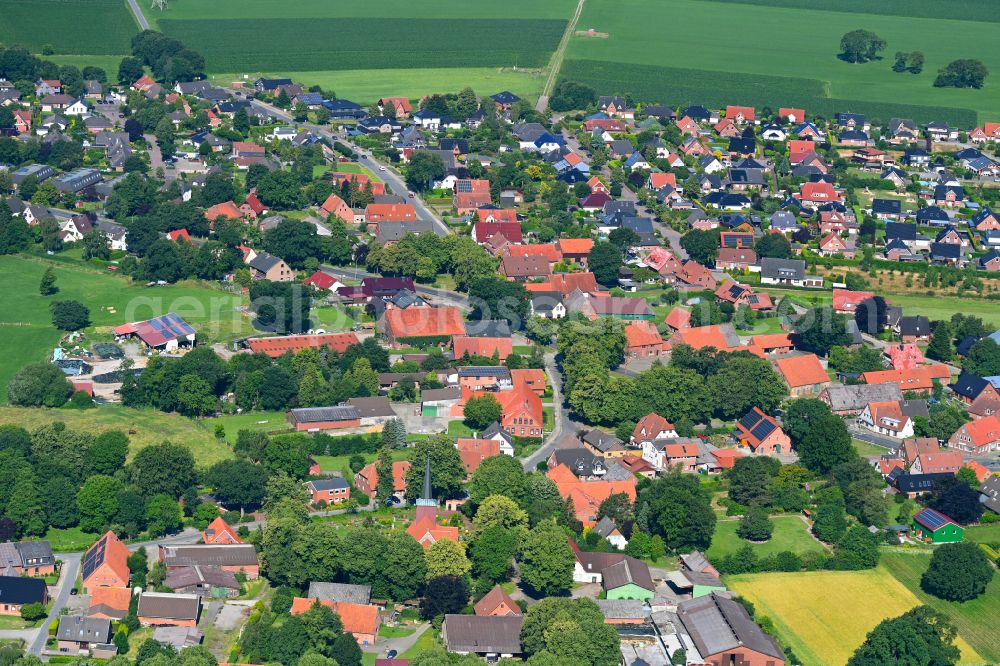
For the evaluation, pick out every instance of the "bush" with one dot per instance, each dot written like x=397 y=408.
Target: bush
x=81 y=400
x=33 y=612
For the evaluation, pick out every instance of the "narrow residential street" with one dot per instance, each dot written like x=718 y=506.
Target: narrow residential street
x=562 y=425
x=391 y=177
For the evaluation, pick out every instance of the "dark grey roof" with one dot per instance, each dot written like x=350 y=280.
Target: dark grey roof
x=488 y=328
x=605 y=526
x=494 y=429
x=854 y=398
x=320 y=414
x=786 y=269
x=483 y=633
x=169 y=606
x=920 y=483
x=622 y=609
x=717 y=624
x=916 y=325
x=695 y=561
x=887 y=206
x=603 y=441
x=990 y=491
x=969 y=386
x=240 y=554
x=447 y=393
x=212 y=576
x=372 y=407
x=264 y=262
x=579 y=460
x=84 y=629
x=19 y=590
x=914 y=408
x=331 y=483
x=484 y=371
x=355 y=594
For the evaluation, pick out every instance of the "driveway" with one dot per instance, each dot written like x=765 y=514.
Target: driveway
x=70 y=569
x=400 y=645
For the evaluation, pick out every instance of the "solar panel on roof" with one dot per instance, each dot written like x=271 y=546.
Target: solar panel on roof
x=762 y=429
x=748 y=420
x=932 y=519
x=94 y=557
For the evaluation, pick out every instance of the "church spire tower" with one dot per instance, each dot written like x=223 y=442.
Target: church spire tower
x=427 y=505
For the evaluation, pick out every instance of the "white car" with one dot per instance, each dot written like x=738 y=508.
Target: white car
x=382 y=168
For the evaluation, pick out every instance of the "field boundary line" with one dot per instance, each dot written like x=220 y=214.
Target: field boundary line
x=557 y=58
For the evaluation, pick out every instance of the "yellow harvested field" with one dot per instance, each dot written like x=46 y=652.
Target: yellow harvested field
x=825 y=615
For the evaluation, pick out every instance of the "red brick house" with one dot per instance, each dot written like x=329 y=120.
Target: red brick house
x=804 y=375
x=366 y=480
x=337 y=207
x=643 y=340
x=761 y=434
x=497 y=602
x=220 y=532
x=360 y=620
x=105 y=564
x=979 y=437
x=333 y=490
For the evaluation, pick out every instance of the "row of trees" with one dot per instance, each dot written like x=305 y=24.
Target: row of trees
x=194 y=383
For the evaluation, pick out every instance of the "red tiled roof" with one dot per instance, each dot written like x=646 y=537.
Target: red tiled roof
x=845 y=300
x=279 y=345
x=804 y=370
x=320 y=280
x=423 y=322
x=226 y=209
x=576 y=245
x=179 y=233
x=984 y=431
x=463 y=344
x=357 y=618
x=678 y=318
x=700 y=337
x=548 y=250
x=642 y=334
x=390 y=212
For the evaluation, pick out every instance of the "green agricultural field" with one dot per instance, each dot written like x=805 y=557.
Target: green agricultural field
x=295 y=44
x=91 y=27
x=975 y=620
x=150 y=426
x=394 y=48
x=782 y=53
x=26 y=324
x=790 y=533
x=825 y=615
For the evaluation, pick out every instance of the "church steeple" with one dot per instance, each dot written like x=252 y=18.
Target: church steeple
x=427 y=505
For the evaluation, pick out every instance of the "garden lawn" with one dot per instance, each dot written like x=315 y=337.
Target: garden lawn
x=342 y=463
x=151 y=427
x=975 y=620
x=26 y=322
x=825 y=615
x=865 y=449
x=983 y=533
x=790 y=533
x=780 y=56
x=70 y=539
x=68 y=26
x=260 y=421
